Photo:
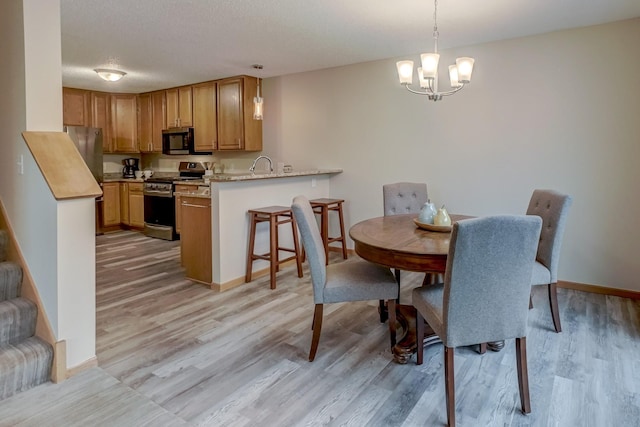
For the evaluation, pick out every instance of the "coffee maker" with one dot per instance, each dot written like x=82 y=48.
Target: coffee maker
x=130 y=167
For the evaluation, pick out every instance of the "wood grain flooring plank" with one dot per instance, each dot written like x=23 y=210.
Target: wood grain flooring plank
x=173 y=352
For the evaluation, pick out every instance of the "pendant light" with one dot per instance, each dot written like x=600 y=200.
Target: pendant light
x=257 y=100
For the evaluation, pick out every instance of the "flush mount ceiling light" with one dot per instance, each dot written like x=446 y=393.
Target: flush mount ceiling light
x=257 y=100
x=109 y=74
x=459 y=74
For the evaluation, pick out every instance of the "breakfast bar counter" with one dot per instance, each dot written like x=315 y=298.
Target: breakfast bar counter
x=232 y=195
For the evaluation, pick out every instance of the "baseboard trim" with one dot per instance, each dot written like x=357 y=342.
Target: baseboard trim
x=87 y=364
x=603 y=290
x=221 y=287
x=59 y=365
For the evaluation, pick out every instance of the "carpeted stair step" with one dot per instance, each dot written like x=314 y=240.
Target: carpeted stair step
x=24 y=365
x=10 y=280
x=17 y=320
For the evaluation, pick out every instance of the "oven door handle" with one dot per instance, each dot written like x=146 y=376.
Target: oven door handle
x=157 y=193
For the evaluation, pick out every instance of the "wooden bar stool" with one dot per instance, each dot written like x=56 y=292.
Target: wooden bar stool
x=276 y=216
x=322 y=207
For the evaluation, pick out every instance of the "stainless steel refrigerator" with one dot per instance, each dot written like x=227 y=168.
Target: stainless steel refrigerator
x=89 y=143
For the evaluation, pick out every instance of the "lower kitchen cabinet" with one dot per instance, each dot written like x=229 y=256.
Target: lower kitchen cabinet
x=136 y=205
x=111 y=205
x=195 y=238
x=124 y=203
x=179 y=189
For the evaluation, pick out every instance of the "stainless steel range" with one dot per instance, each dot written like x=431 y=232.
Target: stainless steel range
x=159 y=201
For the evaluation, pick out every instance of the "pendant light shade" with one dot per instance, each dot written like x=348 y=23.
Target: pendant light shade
x=258 y=102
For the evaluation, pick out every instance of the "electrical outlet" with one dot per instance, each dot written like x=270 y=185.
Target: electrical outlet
x=313 y=183
x=21 y=165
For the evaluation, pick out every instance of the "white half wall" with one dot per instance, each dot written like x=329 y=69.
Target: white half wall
x=230 y=221
x=559 y=110
x=52 y=236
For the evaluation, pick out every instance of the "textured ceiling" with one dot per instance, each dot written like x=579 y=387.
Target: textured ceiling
x=165 y=43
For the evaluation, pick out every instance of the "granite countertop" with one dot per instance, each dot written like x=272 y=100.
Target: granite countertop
x=227 y=177
x=248 y=176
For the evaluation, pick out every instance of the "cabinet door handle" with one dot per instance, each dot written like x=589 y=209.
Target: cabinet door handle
x=193 y=206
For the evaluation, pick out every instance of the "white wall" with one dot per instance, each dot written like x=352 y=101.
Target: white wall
x=31 y=100
x=230 y=202
x=557 y=111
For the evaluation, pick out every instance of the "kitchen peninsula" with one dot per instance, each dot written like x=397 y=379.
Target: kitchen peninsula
x=231 y=196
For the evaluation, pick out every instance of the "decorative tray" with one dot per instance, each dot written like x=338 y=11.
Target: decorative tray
x=431 y=227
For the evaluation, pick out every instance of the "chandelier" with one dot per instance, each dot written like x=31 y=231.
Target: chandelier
x=459 y=74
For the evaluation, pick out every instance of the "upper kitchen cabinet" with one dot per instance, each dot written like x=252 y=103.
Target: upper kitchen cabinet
x=204 y=117
x=145 y=123
x=76 y=107
x=237 y=130
x=100 y=106
x=151 y=121
x=179 y=107
x=124 y=124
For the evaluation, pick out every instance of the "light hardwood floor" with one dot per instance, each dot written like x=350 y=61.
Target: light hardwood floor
x=174 y=353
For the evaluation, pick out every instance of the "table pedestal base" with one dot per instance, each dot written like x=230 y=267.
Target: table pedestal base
x=406 y=344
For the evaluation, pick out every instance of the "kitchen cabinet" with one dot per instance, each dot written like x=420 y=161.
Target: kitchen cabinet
x=195 y=239
x=204 y=117
x=178 y=200
x=124 y=203
x=136 y=205
x=124 y=124
x=100 y=105
x=237 y=130
x=76 y=107
x=151 y=121
x=158 y=119
x=145 y=123
x=179 y=107
x=132 y=204
x=111 y=204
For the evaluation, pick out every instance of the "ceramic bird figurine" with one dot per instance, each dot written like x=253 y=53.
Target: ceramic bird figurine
x=442 y=217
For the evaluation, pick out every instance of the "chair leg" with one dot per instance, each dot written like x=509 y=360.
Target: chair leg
x=317 y=326
x=483 y=348
x=391 y=305
x=342 y=235
x=296 y=246
x=553 y=302
x=419 y=338
x=523 y=376
x=449 y=384
x=273 y=252
x=382 y=311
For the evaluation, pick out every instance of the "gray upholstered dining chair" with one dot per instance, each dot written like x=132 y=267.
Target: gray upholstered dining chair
x=553 y=208
x=485 y=293
x=403 y=197
x=356 y=280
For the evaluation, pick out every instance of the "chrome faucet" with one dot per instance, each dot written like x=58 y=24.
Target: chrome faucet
x=253 y=166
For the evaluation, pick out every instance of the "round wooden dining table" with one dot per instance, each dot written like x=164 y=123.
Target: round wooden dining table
x=395 y=241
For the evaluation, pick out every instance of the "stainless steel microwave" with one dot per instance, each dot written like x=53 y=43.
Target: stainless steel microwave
x=177 y=141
